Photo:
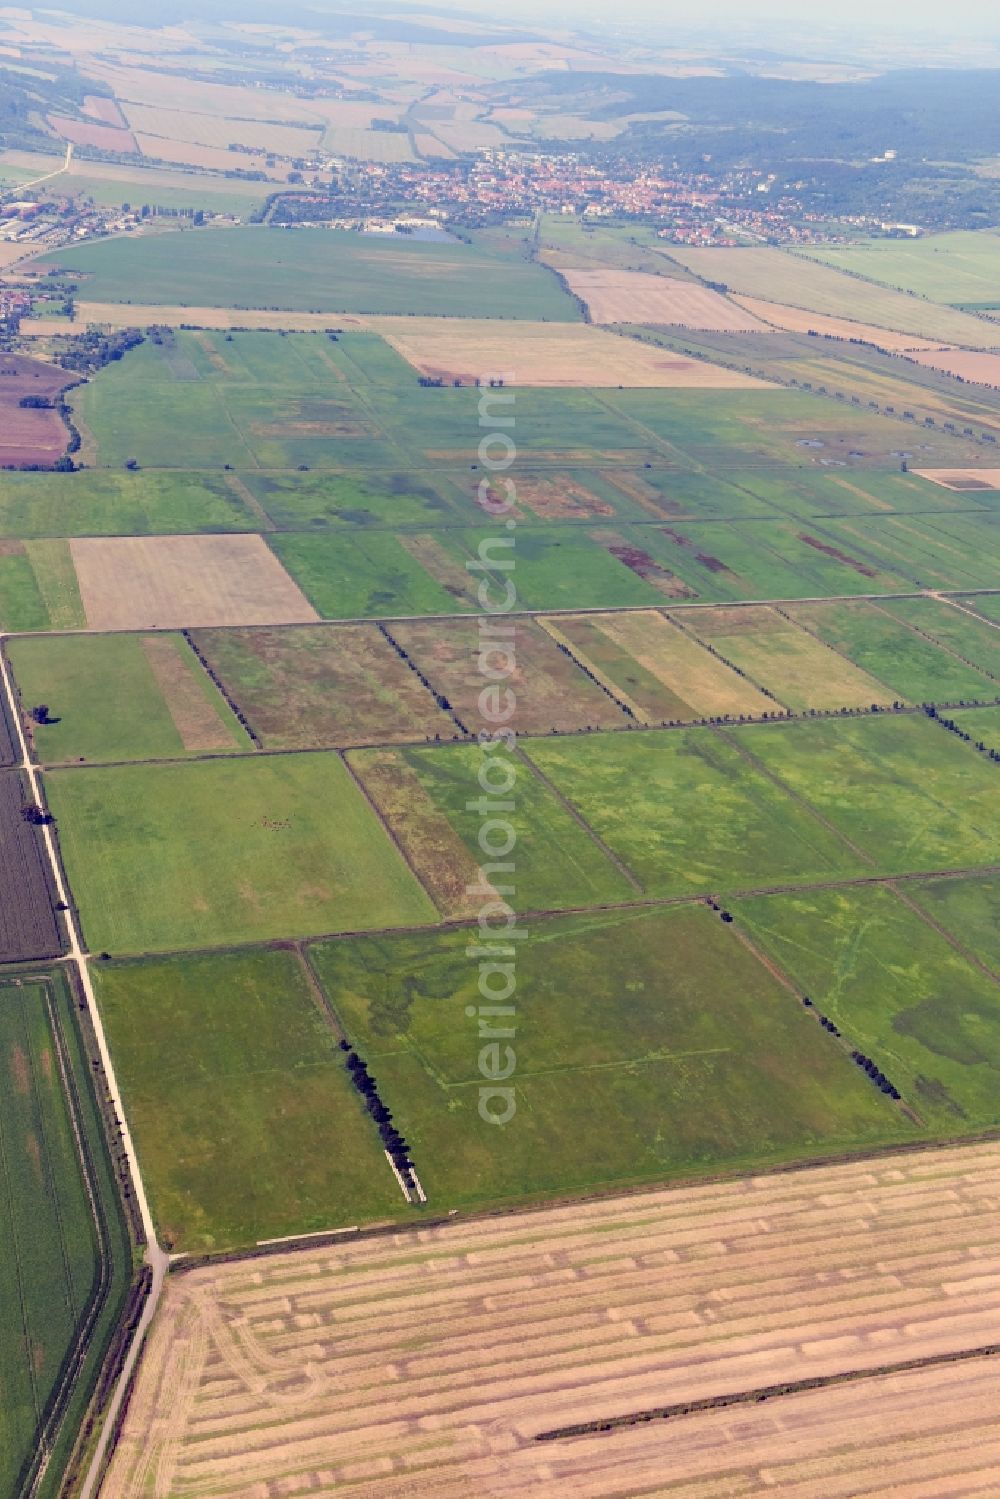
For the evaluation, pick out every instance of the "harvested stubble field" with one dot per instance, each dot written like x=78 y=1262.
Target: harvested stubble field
x=29 y=927
x=131 y=315
x=470 y=349
x=364 y=1367
x=636 y=297
x=962 y=479
x=171 y=582
x=795 y=320
x=324 y=685
x=31 y=434
x=103 y=137
x=550 y=691
x=652 y=666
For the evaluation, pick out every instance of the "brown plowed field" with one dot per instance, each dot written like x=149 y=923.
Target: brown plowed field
x=86 y=133
x=172 y=582
x=428 y=1363
x=133 y=314
x=981 y=369
x=30 y=434
x=28 y=925
x=636 y=297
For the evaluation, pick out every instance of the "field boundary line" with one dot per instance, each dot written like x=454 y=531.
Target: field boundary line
x=796 y=796
x=389 y=832
x=594 y=673
x=808 y=630
x=938 y=644
x=582 y=822
x=548 y=913
x=326 y=1008
x=973 y=613
x=423 y=679
x=942 y=931
x=538 y=612
x=242 y=492
x=765 y=1392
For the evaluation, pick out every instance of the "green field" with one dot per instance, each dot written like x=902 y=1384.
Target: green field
x=967 y=909
x=245 y=1119
x=880 y=640
x=558 y=863
x=648 y=1044
x=95 y=502
x=960 y=268
x=38 y=588
x=911 y=795
x=982 y=723
x=325 y=270
x=898 y=991
x=958 y=633
x=307 y=502
x=364 y=576
x=64 y=1264
x=221 y=851
x=689 y=813
x=107 y=703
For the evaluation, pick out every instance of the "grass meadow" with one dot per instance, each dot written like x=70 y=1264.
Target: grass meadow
x=625 y=1069
x=246 y=1121
x=106 y=702
x=899 y=992
x=225 y=851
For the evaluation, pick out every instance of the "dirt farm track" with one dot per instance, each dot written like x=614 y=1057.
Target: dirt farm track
x=431 y=1363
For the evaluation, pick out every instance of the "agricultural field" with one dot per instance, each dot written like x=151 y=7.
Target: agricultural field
x=550 y=691
x=425 y=797
x=468 y=349
x=899 y=992
x=314 y=686
x=221 y=851
x=795 y=666
x=690 y=813
x=38 y=586
x=962 y=269
x=894 y=644
x=903 y=791
x=120 y=697
x=29 y=926
x=966 y=909
x=613 y=1080
x=66 y=1257
x=245 y=1118
x=796 y=320
x=776 y=276
x=169 y=582
x=392 y=501
x=100 y=502
x=636 y=297
x=326 y=271
x=602 y=1309
x=654 y=668
x=981 y=369
x=33 y=434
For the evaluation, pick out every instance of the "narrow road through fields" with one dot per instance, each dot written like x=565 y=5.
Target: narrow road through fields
x=156 y=1259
